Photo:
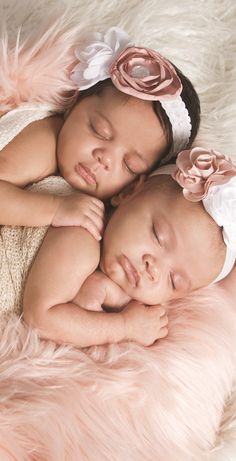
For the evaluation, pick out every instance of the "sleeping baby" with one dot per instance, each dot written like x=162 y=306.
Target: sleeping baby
x=171 y=234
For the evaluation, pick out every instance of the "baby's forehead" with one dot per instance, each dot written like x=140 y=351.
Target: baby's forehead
x=163 y=184
x=161 y=195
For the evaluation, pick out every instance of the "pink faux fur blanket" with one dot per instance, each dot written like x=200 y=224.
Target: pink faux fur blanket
x=37 y=71
x=120 y=402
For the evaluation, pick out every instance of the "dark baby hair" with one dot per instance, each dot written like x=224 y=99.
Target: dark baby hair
x=188 y=95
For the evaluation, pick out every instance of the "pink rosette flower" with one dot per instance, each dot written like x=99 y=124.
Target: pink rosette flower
x=146 y=74
x=199 y=169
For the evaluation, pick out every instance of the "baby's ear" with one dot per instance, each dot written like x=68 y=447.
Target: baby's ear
x=129 y=190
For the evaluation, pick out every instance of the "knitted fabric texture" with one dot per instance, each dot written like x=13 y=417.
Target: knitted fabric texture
x=13 y=122
x=18 y=248
x=19 y=245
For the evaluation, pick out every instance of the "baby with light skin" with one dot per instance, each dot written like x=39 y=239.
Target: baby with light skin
x=171 y=234
x=184 y=237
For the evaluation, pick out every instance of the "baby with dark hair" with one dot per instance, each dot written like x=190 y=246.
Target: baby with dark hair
x=133 y=109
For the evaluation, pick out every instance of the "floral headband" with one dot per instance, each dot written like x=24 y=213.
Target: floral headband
x=139 y=72
x=210 y=176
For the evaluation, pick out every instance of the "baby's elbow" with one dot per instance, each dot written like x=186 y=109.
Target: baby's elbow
x=29 y=317
x=34 y=316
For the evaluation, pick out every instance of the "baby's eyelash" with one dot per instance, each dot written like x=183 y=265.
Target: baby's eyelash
x=155 y=233
x=93 y=129
x=172 y=282
x=129 y=169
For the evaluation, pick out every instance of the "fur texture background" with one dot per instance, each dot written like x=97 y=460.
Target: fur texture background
x=122 y=402
x=172 y=402
x=198 y=36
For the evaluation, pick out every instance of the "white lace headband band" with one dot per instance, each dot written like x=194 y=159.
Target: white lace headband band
x=210 y=176
x=139 y=72
x=229 y=263
x=180 y=122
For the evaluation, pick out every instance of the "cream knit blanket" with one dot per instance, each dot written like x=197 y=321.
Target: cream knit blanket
x=19 y=245
x=13 y=122
x=18 y=248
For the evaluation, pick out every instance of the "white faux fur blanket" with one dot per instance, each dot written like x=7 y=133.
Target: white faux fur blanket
x=176 y=400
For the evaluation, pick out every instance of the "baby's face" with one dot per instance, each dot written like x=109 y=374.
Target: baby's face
x=107 y=140
x=158 y=246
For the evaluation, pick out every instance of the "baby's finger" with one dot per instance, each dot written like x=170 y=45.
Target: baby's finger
x=96 y=219
x=91 y=227
x=97 y=203
x=93 y=306
x=159 y=310
x=99 y=212
x=164 y=321
x=163 y=332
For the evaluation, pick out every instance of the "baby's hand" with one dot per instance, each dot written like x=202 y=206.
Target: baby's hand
x=145 y=324
x=80 y=209
x=92 y=293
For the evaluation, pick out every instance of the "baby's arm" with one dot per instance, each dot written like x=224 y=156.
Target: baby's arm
x=67 y=257
x=28 y=158
x=99 y=291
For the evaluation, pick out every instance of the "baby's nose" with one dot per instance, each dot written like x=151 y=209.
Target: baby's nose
x=103 y=158
x=151 y=268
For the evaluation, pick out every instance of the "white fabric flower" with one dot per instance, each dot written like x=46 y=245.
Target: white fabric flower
x=97 y=55
x=220 y=203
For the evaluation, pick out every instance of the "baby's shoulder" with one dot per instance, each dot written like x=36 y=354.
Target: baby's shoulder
x=34 y=146
x=41 y=134
x=48 y=126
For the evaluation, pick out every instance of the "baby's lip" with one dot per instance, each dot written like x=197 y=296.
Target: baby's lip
x=130 y=271
x=86 y=174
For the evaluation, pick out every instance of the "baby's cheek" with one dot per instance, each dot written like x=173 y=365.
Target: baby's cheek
x=148 y=295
